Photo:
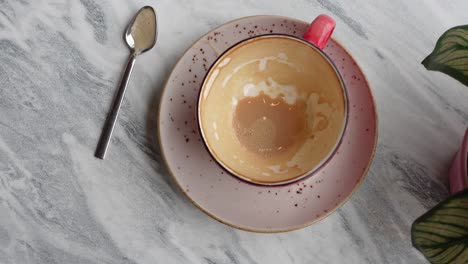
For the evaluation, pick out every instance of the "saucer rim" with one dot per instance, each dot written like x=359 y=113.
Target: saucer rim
x=253 y=230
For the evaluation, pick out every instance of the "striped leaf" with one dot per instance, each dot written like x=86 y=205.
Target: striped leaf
x=442 y=233
x=450 y=54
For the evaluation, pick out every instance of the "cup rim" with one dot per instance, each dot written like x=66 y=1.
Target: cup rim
x=304 y=175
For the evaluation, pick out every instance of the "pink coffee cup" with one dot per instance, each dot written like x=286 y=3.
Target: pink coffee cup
x=459 y=172
x=260 y=76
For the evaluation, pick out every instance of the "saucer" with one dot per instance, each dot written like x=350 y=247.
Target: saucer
x=240 y=204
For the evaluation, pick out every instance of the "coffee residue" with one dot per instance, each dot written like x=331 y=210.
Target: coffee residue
x=144 y=30
x=269 y=126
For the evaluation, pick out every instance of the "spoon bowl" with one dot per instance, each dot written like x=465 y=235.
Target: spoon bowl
x=145 y=18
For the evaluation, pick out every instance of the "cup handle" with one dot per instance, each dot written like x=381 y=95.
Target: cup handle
x=320 y=31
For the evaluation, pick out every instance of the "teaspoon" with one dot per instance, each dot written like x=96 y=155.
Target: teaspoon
x=140 y=36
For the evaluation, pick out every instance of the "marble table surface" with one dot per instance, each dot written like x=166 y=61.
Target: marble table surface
x=60 y=62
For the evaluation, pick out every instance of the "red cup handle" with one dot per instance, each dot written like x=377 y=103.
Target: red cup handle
x=320 y=31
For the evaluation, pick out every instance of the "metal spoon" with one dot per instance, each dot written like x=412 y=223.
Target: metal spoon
x=140 y=36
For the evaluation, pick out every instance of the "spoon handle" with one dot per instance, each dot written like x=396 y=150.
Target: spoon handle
x=106 y=133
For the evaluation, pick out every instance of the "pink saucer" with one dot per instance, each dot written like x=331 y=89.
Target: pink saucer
x=239 y=204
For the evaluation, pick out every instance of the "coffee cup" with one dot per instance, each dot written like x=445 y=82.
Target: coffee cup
x=273 y=108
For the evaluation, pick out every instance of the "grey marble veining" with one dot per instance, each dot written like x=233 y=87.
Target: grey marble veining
x=60 y=62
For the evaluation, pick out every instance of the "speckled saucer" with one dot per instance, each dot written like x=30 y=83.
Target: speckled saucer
x=234 y=202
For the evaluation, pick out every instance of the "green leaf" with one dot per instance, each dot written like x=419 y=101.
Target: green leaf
x=442 y=233
x=450 y=54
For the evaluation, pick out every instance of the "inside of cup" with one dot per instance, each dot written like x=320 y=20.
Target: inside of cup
x=272 y=109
